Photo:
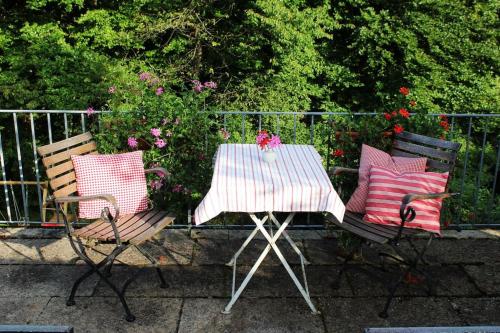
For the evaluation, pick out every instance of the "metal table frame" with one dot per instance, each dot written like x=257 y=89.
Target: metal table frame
x=271 y=238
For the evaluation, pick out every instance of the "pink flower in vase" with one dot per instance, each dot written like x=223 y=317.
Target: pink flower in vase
x=274 y=142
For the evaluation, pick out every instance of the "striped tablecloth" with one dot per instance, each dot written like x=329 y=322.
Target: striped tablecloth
x=243 y=182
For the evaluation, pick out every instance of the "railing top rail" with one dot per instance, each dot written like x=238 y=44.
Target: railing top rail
x=310 y=113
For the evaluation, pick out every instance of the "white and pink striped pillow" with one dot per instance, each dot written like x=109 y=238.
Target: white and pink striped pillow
x=374 y=157
x=121 y=175
x=386 y=189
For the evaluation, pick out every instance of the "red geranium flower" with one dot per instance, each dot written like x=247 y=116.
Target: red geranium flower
x=338 y=153
x=413 y=103
x=394 y=113
x=263 y=143
x=444 y=124
x=404 y=113
x=443 y=117
x=398 y=128
x=404 y=90
x=387 y=116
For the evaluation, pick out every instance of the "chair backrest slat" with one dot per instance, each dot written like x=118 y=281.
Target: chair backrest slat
x=441 y=154
x=64 y=144
x=430 y=152
x=65 y=155
x=56 y=158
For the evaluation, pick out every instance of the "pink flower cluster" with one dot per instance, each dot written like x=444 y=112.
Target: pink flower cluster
x=156 y=184
x=225 y=134
x=132 y=142
x=198 y=86
x=156 y=132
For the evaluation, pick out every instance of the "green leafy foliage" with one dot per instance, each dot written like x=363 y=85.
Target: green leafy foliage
x=274 y=55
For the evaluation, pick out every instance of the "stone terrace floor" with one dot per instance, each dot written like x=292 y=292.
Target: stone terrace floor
x=37 y=269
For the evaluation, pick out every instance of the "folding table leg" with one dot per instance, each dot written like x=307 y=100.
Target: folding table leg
x=245 y=244
x=272 y=242
x=292 y=243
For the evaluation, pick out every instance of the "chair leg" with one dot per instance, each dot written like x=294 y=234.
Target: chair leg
x=71 y=298
x=95 y=268
x=350 y=256
x=412 y=265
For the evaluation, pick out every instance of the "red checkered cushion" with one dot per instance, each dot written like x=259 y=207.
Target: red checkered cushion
x=386 y=189
x=121 y=175
x=374 y=157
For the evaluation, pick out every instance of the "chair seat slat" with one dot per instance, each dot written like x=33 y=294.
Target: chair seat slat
x=144 y=226
x=123 y=222
x=135 y=228
x=153 y=230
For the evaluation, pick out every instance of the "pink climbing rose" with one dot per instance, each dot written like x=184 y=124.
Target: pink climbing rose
x=160 y=143
x=156 y=184
x=132 y=142
x=210 y=85
x=159 y=91
x=156 y=132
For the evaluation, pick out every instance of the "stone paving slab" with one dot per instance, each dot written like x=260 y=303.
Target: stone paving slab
x=36 y=251
x=18 y=310
x=355 y=314
x=184 y=281
x=478 y=311
x=249 y=315
x=273 y=281
x=322 y=251
x=219 y=252
x=486 y=277
x=464 y=251
x=105 y=314
x=43 y=280
x=449 y=280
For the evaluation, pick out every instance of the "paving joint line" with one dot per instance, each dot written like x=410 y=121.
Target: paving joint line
x=179 y=318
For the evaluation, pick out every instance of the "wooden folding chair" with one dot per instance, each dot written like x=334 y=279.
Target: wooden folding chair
x=124 y=231
x=441 y=156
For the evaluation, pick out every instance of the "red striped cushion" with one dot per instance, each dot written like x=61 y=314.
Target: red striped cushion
x=386 y=189
x=121 y=175
x=373 y=157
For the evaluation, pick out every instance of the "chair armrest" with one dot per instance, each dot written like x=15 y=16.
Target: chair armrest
x=158 y=170
x=105 y=215
x=407 y=213
x=108 y=197
x=412 y=197
x=335 y=171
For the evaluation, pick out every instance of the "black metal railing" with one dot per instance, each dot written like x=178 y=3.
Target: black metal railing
x=22 y=201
